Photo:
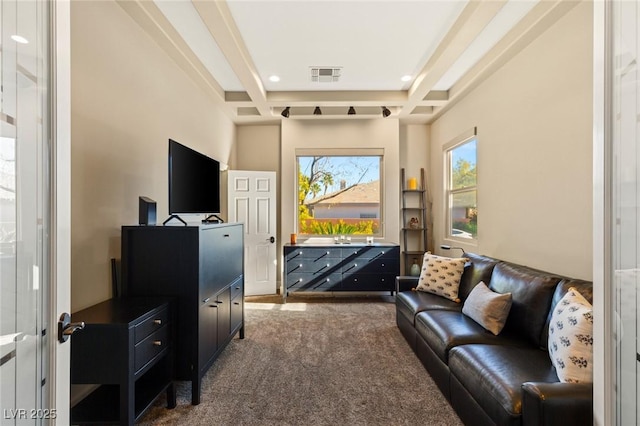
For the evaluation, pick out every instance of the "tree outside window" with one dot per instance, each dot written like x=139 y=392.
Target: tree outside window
x=339 y=195
x=462 y=190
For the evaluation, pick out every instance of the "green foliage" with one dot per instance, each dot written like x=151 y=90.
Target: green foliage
x=463 y=174
x=340 y=227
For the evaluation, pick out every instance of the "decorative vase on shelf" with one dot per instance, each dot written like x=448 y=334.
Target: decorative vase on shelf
x=415 y=269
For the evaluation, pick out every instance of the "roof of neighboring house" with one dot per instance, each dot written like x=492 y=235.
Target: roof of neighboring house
x=363 y=193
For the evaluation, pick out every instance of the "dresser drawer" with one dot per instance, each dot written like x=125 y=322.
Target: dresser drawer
x=372 y=266
x=306 y=282
x=371 y=252
x=151 y=324
x=147 y=349
x=368 y=282
x=236 y=288
x=315 y=253
x=314 y=266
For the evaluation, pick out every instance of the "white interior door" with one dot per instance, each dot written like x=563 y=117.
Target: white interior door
x=252 y=201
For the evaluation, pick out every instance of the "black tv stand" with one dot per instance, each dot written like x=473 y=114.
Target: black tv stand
x=209 y=219
x=174 y=216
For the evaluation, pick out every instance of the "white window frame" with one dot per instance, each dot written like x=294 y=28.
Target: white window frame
x=449 y=192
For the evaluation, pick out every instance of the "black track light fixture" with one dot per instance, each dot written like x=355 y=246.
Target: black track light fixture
x=285 y=112
x=317 y=111
x=352 y=111
x=385 y=112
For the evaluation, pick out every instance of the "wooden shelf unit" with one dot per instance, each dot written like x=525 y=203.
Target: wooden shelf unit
x=414 y=204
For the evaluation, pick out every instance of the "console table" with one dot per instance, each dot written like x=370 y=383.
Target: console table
x=126 y=348
x=341 y=267
x=202 y=267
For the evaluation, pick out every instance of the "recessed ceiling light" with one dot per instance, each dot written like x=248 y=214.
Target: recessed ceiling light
x=19 y=39
x=274 y=78
x=406 y=78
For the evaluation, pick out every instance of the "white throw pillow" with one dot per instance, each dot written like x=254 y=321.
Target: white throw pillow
x=571 y=338
x=487 y=308
x=441 y=275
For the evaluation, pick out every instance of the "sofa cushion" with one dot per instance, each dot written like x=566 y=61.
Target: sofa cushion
x=571 y=338
x=409 y=303
x=531 y=291
x=444 y=330
x=478 y=268
x=494 y=375
x=487 y=308
x=441 y=275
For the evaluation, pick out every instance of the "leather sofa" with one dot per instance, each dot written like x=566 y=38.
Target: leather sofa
x=506 y=379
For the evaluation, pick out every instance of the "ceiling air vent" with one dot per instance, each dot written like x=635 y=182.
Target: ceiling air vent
x=325 y=74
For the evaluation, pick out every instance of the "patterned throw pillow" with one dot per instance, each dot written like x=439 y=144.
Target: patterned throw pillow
x=571 y=338
x=441 y=275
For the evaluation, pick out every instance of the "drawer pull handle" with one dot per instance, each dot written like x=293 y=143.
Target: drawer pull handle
x=219 y=302
x=227 y=235
x=213 y=306
x=236 y=303
x=157 y=321
x=383 y=265
x=157 y=343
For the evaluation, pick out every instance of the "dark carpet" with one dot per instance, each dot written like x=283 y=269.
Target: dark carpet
x=317 y=363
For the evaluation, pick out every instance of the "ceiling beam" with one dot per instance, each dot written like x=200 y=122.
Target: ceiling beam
x=536 y=22
x=147 y=15
x=471 y=22
x=219 y=21
x=337 y=98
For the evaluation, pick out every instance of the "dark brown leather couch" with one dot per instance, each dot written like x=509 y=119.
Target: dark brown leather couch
x=496 y=380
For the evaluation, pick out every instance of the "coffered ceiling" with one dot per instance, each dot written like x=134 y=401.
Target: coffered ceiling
x=359 y=50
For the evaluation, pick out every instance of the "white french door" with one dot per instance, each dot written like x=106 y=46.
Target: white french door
x=32 y=224
x=252 y=201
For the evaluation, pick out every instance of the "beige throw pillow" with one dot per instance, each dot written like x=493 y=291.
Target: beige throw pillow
x=571 y=338
x=487 y=308
x=441 y=275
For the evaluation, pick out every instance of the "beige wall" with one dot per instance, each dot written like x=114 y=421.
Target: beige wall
x=128 y=98
x=534 y=120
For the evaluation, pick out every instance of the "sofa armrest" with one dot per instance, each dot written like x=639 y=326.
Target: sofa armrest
x=557 y=404
x=406 y=283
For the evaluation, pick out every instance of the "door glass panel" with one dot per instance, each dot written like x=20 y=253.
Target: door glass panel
x=24 y=213
x=625 y=241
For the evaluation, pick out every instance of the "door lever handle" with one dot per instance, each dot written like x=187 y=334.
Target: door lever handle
x=66 y=328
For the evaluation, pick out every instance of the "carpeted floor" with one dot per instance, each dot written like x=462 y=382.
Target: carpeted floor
x=318 y=362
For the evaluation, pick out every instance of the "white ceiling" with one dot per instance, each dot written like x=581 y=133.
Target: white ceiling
x=231 y=49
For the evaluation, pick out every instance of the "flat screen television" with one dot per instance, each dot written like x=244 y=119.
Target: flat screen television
x=194 y=181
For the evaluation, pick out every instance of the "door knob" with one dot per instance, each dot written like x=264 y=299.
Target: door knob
x=66 y=328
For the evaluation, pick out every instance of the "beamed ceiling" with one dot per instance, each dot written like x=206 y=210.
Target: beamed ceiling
x=443 y=49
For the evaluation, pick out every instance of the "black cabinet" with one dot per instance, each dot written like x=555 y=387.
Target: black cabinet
x=126 y=348
x=202 y=267
x=350 y=267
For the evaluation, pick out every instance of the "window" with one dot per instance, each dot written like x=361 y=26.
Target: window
x=462 y=193
x=339 y=194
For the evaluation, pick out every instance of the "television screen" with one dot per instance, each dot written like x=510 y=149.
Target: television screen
x=194 y=181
